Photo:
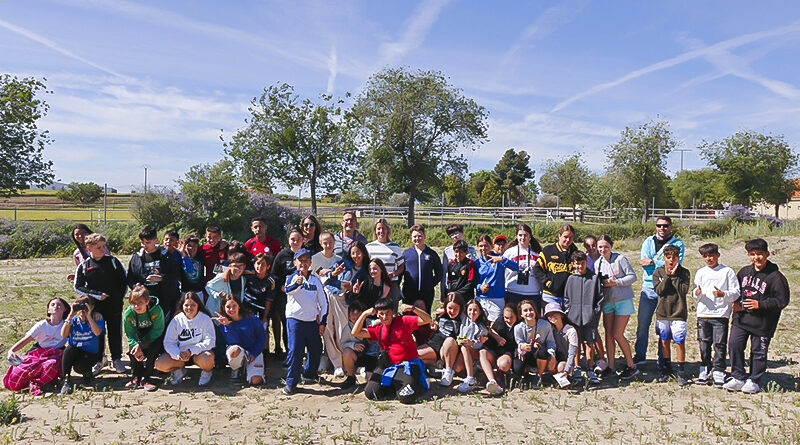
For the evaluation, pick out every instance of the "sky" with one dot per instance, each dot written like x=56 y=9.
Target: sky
x=158 y=84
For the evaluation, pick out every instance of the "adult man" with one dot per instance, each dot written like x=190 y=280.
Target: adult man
x=652 y=257
x=456 y=233
x=348 y=235
x=423 y=270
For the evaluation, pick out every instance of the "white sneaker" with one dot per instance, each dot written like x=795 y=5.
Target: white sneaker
x=600 y=366
x=734 y=385
x=703 y=376
x=338 y=372
x=719 y=378
x=177 y=376
x=362 y=371
x=750 y=387
x=494 y=388
x=120 y=367
x=235 y=373
x=447 y=377
x=467 y=385
x=205 y=377
x=98 y=367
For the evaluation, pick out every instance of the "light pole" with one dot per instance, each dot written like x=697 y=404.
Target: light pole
x=682 y=150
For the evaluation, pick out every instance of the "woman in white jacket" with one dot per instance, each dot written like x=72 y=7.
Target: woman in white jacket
x=618 y=277
x=190 y=337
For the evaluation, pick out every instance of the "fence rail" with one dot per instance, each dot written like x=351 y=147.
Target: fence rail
x=423 y=214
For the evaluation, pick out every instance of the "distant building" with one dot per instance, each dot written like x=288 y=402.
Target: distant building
x=790 y=210
x=55 y=186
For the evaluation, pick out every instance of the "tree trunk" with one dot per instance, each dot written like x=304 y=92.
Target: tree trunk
x=574 y=211
x=777 y=208
x=644 y=214
x=313 y=186
x=412 y=194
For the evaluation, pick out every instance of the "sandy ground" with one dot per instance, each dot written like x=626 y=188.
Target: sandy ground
x=638 y=412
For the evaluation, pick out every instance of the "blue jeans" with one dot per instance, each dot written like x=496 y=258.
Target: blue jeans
x=302 y=335
x=648 y=300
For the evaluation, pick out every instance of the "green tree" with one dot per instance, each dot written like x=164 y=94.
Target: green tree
x=293 y=142
x=568 y=178
x=414 y=125
x=753 y=166
x=212 y=194
x=474 y=186
x=639 y=160
x=491 y=195
x=82 y=192
x=514 y=172
x=21 y=157
x=454 y=189
x=701 y=188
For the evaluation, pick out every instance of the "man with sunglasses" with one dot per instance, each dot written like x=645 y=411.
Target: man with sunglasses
x=652 y=257
x=349 y=234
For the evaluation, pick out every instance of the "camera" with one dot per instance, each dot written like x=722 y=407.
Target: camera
x=79 y=307
x=523 y=278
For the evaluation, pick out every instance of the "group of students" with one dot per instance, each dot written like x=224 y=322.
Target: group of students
x=515 y=312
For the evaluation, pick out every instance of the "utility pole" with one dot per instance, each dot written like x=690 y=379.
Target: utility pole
x=145 y=179
x=682 y=150
x=105 y=208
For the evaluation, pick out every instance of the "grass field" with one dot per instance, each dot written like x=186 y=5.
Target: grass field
x=77 y=215
x=614 y=412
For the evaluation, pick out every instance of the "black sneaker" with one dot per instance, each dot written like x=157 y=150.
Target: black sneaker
x=629 y=372
x=349 y=382
x=607 y=372
x=682 y=380
x=639 y=360
x=665 y=376
x=309 y=380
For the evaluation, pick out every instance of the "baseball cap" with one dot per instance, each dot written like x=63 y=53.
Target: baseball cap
x=500 y=238
x=302 y=252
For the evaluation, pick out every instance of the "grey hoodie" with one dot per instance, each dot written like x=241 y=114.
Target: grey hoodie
x=620 y=269
x=542 y=332
x=583 y=299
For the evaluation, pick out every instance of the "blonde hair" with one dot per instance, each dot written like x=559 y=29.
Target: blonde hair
x=94 y=238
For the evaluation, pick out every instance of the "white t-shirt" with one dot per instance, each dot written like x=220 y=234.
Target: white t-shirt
x=320 y=261
x=723 y=278
x=526 y=258
x=47 y=335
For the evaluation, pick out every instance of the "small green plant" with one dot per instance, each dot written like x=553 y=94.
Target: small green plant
x=10 y=411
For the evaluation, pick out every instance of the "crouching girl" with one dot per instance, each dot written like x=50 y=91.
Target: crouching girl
x=245 y=338
x=190 y=337
x=42 y=364
x=536 y=346
x=400 y=372
x=143 y=324
x=83 y=332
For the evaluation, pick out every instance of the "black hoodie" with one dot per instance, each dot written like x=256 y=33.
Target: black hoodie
x=769 y=287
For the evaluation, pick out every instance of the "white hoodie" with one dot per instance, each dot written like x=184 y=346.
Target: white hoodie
x=195 y=335
x=724 y=278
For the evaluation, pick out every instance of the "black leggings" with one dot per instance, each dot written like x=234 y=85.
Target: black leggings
x=144 y=369
x=529 y=359
x=78 y=359
x=375 y=391
x=112 y=314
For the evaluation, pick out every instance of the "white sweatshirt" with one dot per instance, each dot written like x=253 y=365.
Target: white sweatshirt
x=195 y=335
x=723 y=278
x=307 y=301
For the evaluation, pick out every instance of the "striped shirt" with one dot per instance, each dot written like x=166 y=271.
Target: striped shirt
x=390 y=253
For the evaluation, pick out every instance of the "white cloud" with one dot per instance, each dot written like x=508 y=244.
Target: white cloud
x=332 y=69
x=416 y=28
x=707 y=51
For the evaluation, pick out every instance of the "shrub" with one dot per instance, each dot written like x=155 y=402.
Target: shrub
x=10 y=411
x=156 y=208
x=82 y=192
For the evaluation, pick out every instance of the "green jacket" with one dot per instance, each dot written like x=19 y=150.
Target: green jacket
x=143 y=328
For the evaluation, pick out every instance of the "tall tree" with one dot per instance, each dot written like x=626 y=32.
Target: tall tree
x=568 y=178
x=701 y=188
x=293 y=142
x=213 y=195
x=514 y=172
x=453 y=187
x=639 y=160
x=476 y=183
x=21 y=142
x=754 y=166
x=415 y=124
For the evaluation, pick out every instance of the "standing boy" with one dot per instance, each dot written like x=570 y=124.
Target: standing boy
x=102 y=277
x=306 y=317
x=215 y=252
x=152 y=267
x=456 y=233
x=764 y=294
x=716 y=288
x=671 y=284
x=261 y=242
x=583 y=302
x=423 y=271
x=462 y=273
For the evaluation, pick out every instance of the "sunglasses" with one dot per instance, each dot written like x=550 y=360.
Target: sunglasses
x=308 y=224
x=661 y=226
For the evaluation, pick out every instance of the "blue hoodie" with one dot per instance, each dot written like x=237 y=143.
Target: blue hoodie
x=493 y=275
x=248 y=333
x=649 y=251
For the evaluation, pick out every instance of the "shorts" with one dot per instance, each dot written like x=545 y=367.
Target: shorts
x=366 y=361
x=435 y=342
x=587 y=334
x=493 y=307
x=561 y=356
x=624 y=307
x=674 y=330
